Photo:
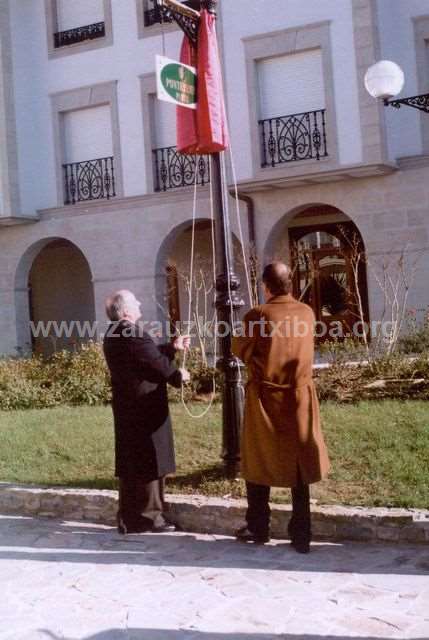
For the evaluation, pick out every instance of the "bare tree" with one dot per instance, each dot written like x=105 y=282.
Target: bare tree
x=394 y=274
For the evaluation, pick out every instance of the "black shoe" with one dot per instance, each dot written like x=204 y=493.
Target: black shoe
x=124 y=530
x=245 y=535
x=300 y=546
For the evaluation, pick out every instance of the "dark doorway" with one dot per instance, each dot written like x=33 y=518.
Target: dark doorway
x=330 y=275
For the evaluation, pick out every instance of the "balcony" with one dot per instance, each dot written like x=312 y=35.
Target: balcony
x=89 y=180
x=299 y=136
x=173 y=170
x=80 y=34
x=153 y=15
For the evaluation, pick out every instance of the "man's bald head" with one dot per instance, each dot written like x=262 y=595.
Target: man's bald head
x=122 y=305
x=277 y=277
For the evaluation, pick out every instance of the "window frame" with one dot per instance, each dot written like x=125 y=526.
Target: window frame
x=282 y=43
x=82 y=98
x=78 y=47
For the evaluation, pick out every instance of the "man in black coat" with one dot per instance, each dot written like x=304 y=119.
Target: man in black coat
x=144 y=447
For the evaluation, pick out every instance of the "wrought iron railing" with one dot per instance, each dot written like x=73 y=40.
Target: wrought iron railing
x=300 y=136
x=153 y=15
x=173 y=169
x=80 y=34
x=89 y=180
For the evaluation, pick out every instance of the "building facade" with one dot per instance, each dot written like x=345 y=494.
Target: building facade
x=94 y=197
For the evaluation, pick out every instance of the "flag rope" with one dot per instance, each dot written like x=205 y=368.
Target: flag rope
x=191 y=277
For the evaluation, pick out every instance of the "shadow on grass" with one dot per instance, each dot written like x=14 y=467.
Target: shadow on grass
x=194 y=479
x=84 y=483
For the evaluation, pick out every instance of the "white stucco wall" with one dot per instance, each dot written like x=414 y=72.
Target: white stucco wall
x=1 y=195
x=398 y=44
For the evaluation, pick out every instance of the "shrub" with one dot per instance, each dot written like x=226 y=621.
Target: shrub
x=64 y=378
x=344 y=383
x=416 y=339
x=82 y=378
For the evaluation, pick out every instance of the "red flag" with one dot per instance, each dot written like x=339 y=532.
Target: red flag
x=204 y=131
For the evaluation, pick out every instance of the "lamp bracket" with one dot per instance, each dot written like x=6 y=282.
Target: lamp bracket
x=417 y=102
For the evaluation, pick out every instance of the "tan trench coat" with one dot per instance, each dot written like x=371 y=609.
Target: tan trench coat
x=281 y=430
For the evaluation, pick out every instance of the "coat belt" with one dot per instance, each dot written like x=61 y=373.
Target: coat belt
x=281 y=387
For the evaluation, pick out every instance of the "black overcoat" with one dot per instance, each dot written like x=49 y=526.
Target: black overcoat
x=140 y=371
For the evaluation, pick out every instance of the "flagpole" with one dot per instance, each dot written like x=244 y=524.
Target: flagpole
x=227 y=299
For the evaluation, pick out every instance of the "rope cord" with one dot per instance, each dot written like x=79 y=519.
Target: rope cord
x=252 y=300
x=162 y=33
x=194 y=210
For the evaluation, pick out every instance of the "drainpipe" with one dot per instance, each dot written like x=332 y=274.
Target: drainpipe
x=251 y=228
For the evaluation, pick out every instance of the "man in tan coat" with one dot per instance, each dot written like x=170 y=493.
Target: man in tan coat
x=282 y=441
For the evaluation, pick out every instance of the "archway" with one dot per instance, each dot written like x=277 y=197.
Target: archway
x=55 y=298
x=327 y=255
x=173 y=273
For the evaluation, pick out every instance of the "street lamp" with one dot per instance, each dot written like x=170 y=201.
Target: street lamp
x=228 y=300
x=385 y=80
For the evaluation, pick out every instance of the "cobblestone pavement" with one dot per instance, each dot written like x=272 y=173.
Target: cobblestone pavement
x=84 y=582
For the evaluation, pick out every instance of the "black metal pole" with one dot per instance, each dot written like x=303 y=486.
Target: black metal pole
x=227 y=303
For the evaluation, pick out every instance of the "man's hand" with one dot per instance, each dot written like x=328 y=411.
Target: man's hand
x=182 y=343
x=186 y=376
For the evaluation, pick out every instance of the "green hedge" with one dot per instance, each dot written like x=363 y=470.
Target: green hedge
x=82 y=378
x=73 y=378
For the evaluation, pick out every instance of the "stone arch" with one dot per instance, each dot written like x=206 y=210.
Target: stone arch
x=53 y=282
x=174 y=252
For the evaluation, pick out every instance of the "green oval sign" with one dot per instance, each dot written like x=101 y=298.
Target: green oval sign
x=180 y=83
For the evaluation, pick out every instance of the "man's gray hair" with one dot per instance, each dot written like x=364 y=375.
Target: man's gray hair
x=116 y=306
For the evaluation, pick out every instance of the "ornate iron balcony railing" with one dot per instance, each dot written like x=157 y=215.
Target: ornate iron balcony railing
x=153 y=14
x=299 y=136
x=173 y=169
x=80 y=34
x=89 y=180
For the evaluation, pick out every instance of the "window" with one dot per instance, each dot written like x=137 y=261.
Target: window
x=77 y=26
x=87 y=143
x=291 y=99
x=292 y=107
x=89 y=172
x=290 y=84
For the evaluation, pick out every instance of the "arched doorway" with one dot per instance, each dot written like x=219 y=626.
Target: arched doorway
x=327 y=255
x=173 y=275
x=59 y=309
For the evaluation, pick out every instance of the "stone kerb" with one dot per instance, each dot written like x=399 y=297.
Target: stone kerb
x=200 y=514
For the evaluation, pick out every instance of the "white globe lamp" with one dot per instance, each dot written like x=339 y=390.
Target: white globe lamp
x=384 y=79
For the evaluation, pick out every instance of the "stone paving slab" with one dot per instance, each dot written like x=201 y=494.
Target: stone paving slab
x=82 y=581
x=204 y=514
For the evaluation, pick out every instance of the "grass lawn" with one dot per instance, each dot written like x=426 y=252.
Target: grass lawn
x=379 y=451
